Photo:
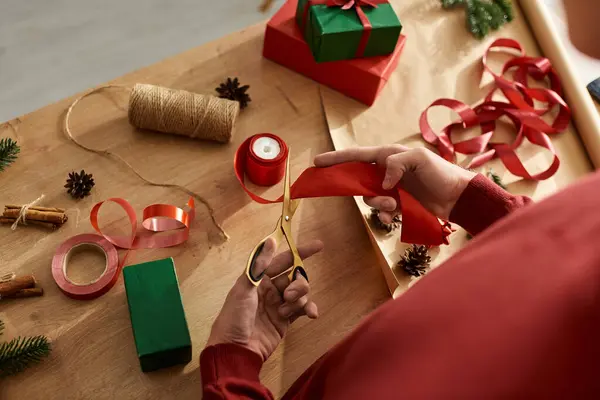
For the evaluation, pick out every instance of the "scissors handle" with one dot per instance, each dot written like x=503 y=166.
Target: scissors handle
x=301 y=271
x=255 y=279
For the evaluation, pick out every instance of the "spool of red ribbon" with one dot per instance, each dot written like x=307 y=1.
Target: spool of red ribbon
x=419 y=226
x=519 y=108
x=156 y=218
x=265 y=163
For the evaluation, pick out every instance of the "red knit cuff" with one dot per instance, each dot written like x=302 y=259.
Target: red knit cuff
x=482 y=203
x=229 y=360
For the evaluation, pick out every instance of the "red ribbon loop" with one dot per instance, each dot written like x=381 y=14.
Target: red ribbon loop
x=156 y=218
x=520 y=109
x=419 y=226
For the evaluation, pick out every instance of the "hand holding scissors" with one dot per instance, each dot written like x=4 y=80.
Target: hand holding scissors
x=283 y=230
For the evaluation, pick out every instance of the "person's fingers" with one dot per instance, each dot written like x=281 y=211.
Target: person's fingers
x=283 y=261
x=396 y=166
x=382 y=203
x=263 y=259
x=364 y=154
x=386 y=217
x=286 y=310
x=296 y=289
x=310 y=310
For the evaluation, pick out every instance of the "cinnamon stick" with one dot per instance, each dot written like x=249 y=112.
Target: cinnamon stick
x=57 y=218
x=52 y=209
x=19 y=283
x=50 y=225
x=24 y=293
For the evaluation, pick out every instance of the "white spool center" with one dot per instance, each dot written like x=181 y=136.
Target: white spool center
x=266 y=148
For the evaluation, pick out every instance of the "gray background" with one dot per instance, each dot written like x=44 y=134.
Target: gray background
x=50 y=49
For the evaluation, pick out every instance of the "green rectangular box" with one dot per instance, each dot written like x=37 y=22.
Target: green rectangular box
x=158 y=321
x=334 y=34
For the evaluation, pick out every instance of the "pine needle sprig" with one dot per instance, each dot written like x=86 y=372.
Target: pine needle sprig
x=21 y=353
x=496 y=179
x=9 y=149
x=483 y=15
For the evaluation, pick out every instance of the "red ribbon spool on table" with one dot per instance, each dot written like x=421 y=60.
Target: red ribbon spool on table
x=156 y=218
x=419 y=226
x=265 y=164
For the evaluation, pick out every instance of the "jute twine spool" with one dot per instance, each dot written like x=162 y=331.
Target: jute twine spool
x=183 y=113
x=170 y=111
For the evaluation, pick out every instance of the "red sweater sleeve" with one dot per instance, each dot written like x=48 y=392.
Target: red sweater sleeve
x=231 y=372
x=482 y=203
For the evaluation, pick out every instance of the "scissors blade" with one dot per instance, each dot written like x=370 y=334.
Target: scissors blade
x=286 y=210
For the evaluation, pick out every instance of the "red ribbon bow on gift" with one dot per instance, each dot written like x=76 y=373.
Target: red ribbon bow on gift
x=346 y=5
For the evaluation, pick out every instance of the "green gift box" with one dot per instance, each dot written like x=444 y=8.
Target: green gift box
x=161 y=334
x=345 y=29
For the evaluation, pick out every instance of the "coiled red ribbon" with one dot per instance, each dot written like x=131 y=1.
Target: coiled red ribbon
x=520 y=110
x=419 y=226
x=346 y=5
x=156 y=218
x=266 y=172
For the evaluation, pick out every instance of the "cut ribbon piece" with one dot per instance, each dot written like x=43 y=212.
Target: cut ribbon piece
x=519 y=108
x=346 y=5
x=419 y=226
x=156 y=218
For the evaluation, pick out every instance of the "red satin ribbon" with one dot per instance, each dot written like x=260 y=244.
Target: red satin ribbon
x=346 y=5
x=520 y=110
x=419 y=226
x=155 y=218
x=266 y=172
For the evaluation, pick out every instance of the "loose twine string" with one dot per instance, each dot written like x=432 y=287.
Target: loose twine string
x=21 y=217
x=170 y=111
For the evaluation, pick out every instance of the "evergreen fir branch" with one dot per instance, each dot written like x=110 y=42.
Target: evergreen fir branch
x=483 y=15
x=452 y=3
x=506 y=7
x=21 y=353
x=8 y=152
x=497 y=180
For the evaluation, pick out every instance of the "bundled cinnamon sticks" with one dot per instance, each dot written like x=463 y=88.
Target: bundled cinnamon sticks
x=47 y=217
x=20 y=287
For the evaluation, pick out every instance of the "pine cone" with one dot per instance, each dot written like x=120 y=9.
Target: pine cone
x=79 y=184
x=415 y=260
x=231 y=89
x=374 y=217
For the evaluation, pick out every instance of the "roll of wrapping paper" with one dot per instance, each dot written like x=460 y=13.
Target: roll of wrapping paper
x=584 y=111
x=354 y=179
x=156 y=218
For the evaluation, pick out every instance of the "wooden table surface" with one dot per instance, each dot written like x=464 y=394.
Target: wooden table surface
x=94 y=354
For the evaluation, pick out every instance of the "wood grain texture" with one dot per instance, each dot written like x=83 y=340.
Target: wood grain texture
x=442 y=59
x=94 y=354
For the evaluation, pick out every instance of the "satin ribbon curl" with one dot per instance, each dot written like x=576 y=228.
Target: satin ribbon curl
x=520 y=110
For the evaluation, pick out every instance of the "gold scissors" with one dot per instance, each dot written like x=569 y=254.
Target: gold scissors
x=282 y=230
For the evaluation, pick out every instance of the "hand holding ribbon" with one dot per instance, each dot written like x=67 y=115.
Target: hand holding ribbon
x=419 y=226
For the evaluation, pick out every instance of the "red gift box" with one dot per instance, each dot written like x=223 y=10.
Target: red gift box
x=361 y=78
